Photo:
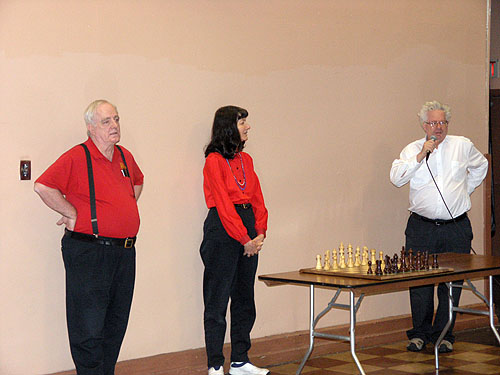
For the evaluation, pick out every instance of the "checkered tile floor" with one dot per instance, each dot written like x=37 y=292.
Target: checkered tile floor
x=466 y=359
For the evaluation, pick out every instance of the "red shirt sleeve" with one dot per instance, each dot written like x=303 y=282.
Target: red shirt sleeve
x=58 y=175
x=257 y=201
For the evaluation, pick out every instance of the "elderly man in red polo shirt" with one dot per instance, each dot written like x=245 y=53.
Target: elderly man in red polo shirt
x=95 y=187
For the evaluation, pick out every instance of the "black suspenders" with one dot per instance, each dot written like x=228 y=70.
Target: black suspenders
x=93 y=213
x=126 y=173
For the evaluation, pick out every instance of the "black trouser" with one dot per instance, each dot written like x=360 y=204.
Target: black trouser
x=99 y=288
x=228 y=274
x=426 y=236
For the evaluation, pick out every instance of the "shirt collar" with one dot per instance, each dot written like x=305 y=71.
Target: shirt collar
x=94 y=151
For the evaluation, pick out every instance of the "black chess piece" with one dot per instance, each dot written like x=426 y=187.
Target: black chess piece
x=403 y=262
x=418 y=261
x=395 y=264
x=411 y=261
x=369 y=272
x=387 y=268
x=378 y=268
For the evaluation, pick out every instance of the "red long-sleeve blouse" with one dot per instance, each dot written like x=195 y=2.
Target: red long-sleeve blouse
x=222 y=191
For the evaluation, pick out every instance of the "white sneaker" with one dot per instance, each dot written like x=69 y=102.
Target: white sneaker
x=246 y=368
x=216 y=371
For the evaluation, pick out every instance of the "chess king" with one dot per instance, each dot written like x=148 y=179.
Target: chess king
x=458 y=167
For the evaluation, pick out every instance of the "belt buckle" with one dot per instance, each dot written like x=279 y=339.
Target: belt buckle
x=129 y=242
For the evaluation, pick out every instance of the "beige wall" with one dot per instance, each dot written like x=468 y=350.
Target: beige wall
x=495 y=39
x=333 y=88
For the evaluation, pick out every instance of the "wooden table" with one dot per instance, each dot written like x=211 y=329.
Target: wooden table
x=465 y=267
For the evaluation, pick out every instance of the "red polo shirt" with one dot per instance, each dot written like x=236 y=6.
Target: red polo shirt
x=221 y=190
x=116 y=206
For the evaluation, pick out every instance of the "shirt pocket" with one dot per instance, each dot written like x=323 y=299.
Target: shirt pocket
x=458 y=170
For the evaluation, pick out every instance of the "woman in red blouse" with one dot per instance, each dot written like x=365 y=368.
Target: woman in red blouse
x=233 y=235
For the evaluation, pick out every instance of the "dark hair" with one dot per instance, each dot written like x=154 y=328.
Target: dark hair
x=226 y=139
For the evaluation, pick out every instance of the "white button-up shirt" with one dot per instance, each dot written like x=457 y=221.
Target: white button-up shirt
x=458 y=168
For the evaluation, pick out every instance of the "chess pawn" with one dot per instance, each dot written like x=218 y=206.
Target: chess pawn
x=373 y=256
x=318 y=262
x=364 y=259
x=327 y=261
x=357 y=259
x=381 y=257
x=335 y=266
x=378 y=268
x=350 y=260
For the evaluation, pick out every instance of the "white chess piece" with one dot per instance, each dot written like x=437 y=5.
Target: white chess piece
x=350 y=261
x=357 y=261
x=364 y=261
x=327 y=261
x=318 y=262
x=335 y=266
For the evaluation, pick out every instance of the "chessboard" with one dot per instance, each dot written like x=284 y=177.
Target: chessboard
x=365 y=265
x=361 y=272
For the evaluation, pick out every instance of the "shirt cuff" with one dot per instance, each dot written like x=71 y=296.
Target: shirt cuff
x=261 y=231
x=243 y=240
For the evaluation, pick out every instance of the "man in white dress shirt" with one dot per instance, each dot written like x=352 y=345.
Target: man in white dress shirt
x=458 y=168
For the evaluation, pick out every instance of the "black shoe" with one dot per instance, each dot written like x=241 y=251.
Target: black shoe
x=445 y=347
x=416 y=345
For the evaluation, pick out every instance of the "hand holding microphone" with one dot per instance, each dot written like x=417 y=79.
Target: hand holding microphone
x=429 y=146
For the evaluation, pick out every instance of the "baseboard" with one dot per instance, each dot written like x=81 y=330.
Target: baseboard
x=289 y=347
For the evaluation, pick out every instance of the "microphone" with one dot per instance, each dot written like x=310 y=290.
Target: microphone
x=433 y=137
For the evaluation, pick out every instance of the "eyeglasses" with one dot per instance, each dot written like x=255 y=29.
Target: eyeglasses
x=433 y=124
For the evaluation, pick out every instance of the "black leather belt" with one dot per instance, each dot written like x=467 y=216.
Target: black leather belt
x=438 y=221
x=243 y=205
x=108 y=241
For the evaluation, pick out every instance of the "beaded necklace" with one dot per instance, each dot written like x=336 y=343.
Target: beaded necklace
x=243 y=185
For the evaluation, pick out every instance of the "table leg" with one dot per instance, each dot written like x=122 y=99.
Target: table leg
x=311 y=329
x=447 y=326
x=492 y=311
x=352 y=332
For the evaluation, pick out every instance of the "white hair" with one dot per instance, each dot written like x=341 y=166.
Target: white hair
x=92 y=109
x=434 y=106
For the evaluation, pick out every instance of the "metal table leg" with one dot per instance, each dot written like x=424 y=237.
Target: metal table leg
x=491 y=310
x=311 y=329
x=352 y=339
x=452 y=309
x=447 y=326
x=313 y=321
